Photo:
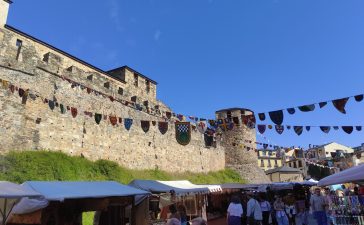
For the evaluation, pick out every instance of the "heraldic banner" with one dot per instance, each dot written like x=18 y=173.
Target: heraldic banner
x=183 y=133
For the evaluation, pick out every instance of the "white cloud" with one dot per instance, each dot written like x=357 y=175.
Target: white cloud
x=114 y=14
x=157 y=35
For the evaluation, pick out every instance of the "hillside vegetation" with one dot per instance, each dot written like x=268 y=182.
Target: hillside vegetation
x=49 y=166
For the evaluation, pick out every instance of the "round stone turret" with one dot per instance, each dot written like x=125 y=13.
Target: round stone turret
x=239 y=142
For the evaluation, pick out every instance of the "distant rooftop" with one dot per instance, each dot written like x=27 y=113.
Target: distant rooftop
x=283 y=169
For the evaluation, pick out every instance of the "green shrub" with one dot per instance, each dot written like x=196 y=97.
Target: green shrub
x=48 y=166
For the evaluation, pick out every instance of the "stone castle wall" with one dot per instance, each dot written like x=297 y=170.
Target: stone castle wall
x=34 y=126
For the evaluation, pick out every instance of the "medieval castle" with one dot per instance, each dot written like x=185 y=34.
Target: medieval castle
x=52 y=100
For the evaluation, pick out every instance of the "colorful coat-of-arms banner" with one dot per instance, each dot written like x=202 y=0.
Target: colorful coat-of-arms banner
x=183 y=132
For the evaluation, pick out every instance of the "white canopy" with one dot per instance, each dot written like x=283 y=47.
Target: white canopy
x=179 y=187
x=10 y=194
x=59 y=191
x=352 y=175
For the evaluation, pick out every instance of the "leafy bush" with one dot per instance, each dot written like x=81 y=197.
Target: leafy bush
x=47 y=166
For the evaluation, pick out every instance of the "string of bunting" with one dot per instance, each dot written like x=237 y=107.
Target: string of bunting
x=277 y=116
x=262 y=128
x=319 y=165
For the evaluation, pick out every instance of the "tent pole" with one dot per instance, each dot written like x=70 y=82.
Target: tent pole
x=4 y=214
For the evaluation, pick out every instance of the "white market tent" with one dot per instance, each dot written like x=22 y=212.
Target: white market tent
x=352 y=175
x=10 y=194
x=182 y=187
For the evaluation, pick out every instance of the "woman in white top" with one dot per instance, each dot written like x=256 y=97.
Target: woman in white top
x=235 y=211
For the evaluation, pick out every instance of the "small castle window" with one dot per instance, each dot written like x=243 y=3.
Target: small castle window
x=228 y=114
x=146 y=103
x=19 y=44
x=147 y=86
x=89 y=77
x=136 y=80
x=121 y=91
x=156 y=107
x=134 y=99
x=107 y=85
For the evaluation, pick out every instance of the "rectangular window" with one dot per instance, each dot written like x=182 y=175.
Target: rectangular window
x=121 y=91
x=269 y=164
x=295 y=165
x=261 y=163
x=300 y=164
x=275 y=163
x=136 y=80
x=147 y=86
x=19 y=44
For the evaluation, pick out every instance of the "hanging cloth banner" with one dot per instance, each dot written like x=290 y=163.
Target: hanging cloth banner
x=291 y=111
x=348 y=129
x=128 y=123
x=359 y=98
x=145 y=125
x=298 y=130
x=183 y=132
x=308 y=128
x=63 y=109
x=322 y=104
x=180 y=117
x=276 y=117
x=113 y=120
x=73 y=112
x=279 y=129
x=202 y=127
x=249 y=121
x=163 y=127
x=340 y=104
x=98 y=118
x=51 y=105
x=261 y=128
x=307 y=108
x=261 y=116
x=168 y=115
x=325 y=129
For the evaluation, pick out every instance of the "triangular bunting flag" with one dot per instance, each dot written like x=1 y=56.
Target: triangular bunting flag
x=307 y=108
x=291 y=111
x=308 y=128
x=276 y=117
x=359 y=98
x=298 y=130
x=261 y=116
x=358 y=128
x=322 y=104
x=279 y=129
x=325 y=129
x=348 y=129
x=340 y=104
x=261 y=128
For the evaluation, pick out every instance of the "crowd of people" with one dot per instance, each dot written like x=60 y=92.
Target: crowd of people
x=324 y=206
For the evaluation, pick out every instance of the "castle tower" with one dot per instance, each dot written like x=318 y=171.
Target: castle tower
x=239 y=143
x=4 y=9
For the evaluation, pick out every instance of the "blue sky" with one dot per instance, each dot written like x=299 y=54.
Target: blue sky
x=214 y=54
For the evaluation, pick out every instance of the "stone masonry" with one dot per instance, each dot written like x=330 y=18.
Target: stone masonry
x=33 y=123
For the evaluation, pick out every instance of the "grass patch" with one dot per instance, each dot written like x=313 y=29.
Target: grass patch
x=24 y=166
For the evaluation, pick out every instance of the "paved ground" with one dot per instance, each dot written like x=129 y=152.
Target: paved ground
x=217 y=222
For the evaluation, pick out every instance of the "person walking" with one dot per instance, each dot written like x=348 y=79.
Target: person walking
x=318 y=207
x=254 y=212
x=266 y=209
x=235 y=211
x=279 y=208
x=174 y=218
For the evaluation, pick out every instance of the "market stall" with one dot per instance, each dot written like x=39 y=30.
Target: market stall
x=66 y=201
x=10 y=194
x=180 y=193
x=346 y=209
